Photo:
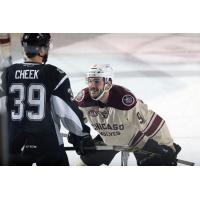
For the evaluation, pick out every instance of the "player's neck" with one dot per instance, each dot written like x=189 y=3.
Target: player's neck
x=36 y=59
x=104 y=99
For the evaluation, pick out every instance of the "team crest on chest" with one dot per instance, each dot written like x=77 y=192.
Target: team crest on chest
x=128 y=100
x=104 y=114
x=93 y=113
x=80 y=96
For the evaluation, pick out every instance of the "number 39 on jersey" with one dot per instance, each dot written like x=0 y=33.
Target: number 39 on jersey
x=34 y=95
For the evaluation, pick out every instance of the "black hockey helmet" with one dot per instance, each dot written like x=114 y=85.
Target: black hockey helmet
x=36 y=39
x=32 y=43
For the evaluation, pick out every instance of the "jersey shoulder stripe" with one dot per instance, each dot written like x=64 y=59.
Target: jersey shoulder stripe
x=61 y=81
x=154 y=126
x=54 y=76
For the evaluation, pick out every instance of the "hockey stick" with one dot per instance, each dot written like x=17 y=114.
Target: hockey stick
x=124 y=153
x=185 y=162
x=124 y=149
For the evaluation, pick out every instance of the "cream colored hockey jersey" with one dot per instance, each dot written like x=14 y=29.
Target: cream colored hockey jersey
x=124 y=120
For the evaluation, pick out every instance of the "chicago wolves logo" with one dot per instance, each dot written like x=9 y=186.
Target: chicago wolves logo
x=93 y=113
x=128 y=100
x=104 y=114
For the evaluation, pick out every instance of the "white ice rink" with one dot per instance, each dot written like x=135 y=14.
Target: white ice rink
x=161 y=69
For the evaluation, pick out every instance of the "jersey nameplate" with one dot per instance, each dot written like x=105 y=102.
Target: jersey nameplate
x=26 y=74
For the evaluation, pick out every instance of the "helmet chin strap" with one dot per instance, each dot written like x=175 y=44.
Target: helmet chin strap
x=102 y=93
x=44 y=58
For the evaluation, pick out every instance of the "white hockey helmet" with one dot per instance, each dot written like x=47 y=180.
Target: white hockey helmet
x=103 y=70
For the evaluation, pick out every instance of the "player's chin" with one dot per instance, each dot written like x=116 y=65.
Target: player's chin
x=93 y=94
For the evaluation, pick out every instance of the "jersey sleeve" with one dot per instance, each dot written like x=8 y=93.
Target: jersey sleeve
x=147 y=121
x=66 y=109
x=78 y=100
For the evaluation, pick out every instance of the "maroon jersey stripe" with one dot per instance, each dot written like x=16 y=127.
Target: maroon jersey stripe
x=136 y=138
x=157 y=121
x=138 y=141
x=158 y=129
x=149 y=122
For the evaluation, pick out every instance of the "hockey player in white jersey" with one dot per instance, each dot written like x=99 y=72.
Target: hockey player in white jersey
x=122 y=119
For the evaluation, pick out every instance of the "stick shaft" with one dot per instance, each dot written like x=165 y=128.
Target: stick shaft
x=185 y=162
x=123 y=149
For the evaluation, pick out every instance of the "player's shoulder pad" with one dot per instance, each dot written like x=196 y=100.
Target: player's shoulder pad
x=14 y=66
x=121 y=98
x=83 y=99
x=55 y=70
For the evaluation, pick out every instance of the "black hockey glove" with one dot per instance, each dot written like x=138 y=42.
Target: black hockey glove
x=154 y=154
x=168 y=156
x=81 y=143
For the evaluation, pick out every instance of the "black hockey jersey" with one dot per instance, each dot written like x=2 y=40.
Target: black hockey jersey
x=38 y=97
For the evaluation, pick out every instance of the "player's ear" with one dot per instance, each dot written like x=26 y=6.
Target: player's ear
x=43 y=51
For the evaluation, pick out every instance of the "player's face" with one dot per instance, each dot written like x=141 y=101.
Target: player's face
x=96 y=86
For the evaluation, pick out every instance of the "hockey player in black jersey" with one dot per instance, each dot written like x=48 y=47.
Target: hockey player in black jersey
x=39 y=97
